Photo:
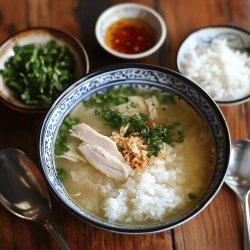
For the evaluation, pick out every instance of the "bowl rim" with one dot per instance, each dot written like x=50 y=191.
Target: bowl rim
x=82 y=51
x=148 y=52
x=116 y=227
x=229 y=26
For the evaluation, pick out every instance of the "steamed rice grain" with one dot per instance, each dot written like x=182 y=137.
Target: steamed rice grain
x=148 y=195
x=222 y=72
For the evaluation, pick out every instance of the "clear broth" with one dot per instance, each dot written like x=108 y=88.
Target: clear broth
x=197 y=154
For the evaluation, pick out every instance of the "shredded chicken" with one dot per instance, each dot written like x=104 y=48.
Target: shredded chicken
x=104 y=162
x=153 y=106
x=134 y=150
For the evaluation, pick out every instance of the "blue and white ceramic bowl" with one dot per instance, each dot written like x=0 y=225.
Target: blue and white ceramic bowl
x=143 y=75
x=237 y=38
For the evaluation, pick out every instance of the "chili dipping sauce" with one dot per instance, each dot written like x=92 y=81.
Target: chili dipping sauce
x=130 y=36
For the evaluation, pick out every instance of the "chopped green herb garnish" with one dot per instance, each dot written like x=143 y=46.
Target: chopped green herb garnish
x=38 y=74
x=155 y=92
x=192 y=196
x=105 y=100
x=168 y=99
x=62 y=174
x=61 y=141
x=133 y=105
x=118 y=96
x=153 y=135
x=113 y=118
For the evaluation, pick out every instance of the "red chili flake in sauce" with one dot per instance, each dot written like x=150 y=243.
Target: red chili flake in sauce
x=149 y=124
x=130 y=36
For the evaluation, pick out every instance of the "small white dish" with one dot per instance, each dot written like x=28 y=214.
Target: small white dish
x=131 y=11
x=39 y=35
x=237 y=38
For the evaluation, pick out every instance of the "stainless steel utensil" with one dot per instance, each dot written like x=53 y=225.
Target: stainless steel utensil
x=238 y=179
x=23 y=191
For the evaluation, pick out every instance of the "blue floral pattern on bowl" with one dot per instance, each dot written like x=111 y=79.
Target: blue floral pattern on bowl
x=146 y=76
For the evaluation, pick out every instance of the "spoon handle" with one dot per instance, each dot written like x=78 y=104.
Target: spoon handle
x=53 y=230
x=246 y=221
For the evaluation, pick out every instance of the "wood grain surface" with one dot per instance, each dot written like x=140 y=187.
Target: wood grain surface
x=219 y=226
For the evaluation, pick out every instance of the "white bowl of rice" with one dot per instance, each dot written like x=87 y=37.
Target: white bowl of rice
x=217 y=58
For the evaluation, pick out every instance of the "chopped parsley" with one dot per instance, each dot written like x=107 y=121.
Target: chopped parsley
x=192 y=196
x=61 y=141
x=118 y=96
x=61 y=173
x=133 y=105
x=155 y=92
x=168 y=99
x=153 y=135
x=39 y=73
x=113 y=118
x=112 y=96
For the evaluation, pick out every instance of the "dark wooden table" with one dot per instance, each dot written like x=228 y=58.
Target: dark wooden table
x=219 y=226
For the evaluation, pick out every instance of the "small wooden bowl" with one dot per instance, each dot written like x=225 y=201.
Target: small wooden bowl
x=39 y=35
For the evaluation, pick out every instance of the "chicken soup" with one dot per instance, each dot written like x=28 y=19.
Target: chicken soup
x=134 y=155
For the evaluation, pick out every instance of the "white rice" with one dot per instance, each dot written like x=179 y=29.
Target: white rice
x=222 y=72
x=150 y=194
x=144 y=197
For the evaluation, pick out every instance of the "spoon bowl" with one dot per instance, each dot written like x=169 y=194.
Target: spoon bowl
x=238 y=179
x=23 y=191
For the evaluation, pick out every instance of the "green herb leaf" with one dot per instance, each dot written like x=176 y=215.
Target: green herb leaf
x=61 y=141
x=112 y=96
x=118 y=96
x=168 y=99
x=113 y=118
x=133 y=104
x=38 y=74
x=192 y=196
x=62 y=174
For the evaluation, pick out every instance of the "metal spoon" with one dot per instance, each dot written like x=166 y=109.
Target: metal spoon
x=23 y=191
x=238 y=179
